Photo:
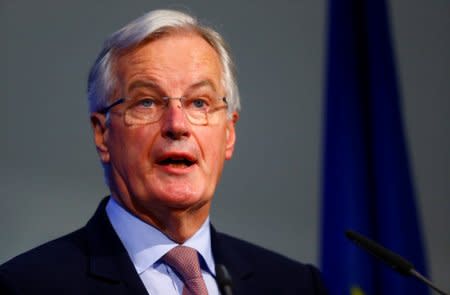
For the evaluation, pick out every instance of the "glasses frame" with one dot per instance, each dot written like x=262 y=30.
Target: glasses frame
x=121 y=100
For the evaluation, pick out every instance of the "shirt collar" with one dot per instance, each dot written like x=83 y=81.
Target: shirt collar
x=146 y=245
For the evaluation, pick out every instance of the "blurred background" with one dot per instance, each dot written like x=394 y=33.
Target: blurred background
x=51 y=179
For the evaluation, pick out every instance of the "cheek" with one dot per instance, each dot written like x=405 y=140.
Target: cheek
x=214 y=149
x=131 y=148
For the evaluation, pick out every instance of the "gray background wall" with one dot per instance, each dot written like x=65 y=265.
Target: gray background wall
x=51 y=181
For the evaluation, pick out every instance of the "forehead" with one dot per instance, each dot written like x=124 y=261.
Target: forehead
x=173 y=61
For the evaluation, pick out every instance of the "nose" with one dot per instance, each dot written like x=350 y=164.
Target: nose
x=174 y=122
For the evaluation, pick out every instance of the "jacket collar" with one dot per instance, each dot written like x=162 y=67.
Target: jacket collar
x=235 y=261
x=108 y=259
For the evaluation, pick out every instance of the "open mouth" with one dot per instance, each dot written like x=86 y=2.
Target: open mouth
x=178 y=162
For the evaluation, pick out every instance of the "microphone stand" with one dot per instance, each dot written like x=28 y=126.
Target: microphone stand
x=394 y=260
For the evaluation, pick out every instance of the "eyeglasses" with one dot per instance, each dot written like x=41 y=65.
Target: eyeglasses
x=146 y=110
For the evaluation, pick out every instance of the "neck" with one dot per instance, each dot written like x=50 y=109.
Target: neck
x=177 y=224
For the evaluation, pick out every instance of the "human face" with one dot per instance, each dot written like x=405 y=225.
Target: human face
x=140 y=159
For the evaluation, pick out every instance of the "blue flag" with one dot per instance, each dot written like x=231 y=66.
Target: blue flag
x=367 y=184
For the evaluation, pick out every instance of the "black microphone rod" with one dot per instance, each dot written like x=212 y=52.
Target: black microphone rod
x=394 y=260
x=223 y=279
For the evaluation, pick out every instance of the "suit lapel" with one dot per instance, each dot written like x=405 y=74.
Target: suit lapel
x=113 y=272
x=235 y=262
x=109 y=263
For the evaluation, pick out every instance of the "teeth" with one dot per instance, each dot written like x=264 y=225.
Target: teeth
x=178 y=159
x=177 y=162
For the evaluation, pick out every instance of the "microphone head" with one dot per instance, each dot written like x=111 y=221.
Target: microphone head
x=395 y=261
x=222 y=276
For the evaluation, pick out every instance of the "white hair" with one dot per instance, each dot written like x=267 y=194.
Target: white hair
x=154 y=24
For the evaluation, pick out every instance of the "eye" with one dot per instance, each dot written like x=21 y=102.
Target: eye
x=198 y=103
x=146 y=102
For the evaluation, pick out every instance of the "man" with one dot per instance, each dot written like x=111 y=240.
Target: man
x=164 y=104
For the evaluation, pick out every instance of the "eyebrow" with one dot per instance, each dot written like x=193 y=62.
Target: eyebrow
x=203 y=83
x=155 y=86
x=145 y=84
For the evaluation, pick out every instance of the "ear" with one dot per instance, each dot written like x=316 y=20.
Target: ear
x=231 y=136
x=100 y=130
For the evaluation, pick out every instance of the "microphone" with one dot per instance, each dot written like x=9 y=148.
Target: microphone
x=223 y=279
x=394 y=260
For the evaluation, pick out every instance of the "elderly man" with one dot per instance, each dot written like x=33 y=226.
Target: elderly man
x=164 y=104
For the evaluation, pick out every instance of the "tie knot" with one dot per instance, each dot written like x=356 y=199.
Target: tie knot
x=185 y=261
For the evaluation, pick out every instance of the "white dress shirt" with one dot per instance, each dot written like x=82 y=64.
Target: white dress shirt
x=146 y=245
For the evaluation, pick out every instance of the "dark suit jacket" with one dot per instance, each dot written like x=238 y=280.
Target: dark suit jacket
x=92 y=260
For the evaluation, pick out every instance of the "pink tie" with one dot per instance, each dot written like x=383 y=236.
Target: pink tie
x=185 y=262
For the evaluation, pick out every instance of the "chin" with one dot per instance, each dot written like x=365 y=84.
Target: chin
x=180 y=196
